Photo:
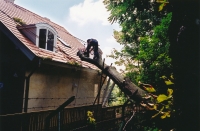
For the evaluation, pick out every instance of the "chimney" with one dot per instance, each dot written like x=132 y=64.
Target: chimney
x=12 y=1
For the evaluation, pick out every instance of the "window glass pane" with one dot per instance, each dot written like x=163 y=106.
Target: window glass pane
x=50 y=41
x=42 y=38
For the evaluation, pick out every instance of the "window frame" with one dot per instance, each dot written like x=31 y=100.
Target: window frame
x=48 y=28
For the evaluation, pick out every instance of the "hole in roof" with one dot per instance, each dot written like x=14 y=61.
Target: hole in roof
x=63 y=42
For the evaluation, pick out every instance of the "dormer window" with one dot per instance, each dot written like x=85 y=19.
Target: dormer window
x=47 y=36
x=46 y=39
x=42 y=35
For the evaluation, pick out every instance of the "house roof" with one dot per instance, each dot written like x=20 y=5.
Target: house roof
x=63 y=54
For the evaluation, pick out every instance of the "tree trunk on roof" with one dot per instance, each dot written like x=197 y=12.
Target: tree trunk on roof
x=129 y=88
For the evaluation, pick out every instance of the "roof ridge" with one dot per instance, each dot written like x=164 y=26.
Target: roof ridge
x=36 y=15
x=57 y=26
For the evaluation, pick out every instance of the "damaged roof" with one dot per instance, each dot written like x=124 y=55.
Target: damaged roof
x=66 y=47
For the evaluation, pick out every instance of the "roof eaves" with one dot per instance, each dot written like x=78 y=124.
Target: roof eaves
x=66 y=65
x=16 y=41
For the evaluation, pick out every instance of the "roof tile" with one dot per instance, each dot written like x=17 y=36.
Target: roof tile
x=63 y=54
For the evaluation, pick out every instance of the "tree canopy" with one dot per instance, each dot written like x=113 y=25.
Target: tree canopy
x=144 y=38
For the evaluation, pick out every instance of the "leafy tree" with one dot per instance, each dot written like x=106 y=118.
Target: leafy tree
x=139 y=38
x=136 y=17
x=145 y=43
x=153 y=55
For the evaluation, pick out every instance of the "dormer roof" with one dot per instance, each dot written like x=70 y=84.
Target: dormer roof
x=64 y=53
x=40 y=25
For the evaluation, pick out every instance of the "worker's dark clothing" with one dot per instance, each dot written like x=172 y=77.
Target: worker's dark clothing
x=93 y=43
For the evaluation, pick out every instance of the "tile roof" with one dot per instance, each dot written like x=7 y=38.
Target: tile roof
x=63 y=54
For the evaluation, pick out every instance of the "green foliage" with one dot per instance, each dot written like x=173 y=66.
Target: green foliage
x=150 y=128
x=160 y=109
x=74 y=63
x=133 y=76
x=144 y=38
x=153 y=53
x=117 y=97
x=163 y=102
x=136 y=17
x=19 y=21
x=163 y=4
x=90 y=120
x=47 y=58
x=144 y=27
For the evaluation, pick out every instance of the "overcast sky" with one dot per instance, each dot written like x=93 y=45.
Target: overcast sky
x=82 y=18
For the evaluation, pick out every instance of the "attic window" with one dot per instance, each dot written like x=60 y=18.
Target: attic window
x=46 y=36
x=46 y=39
x=63 y=42
x=42 y=35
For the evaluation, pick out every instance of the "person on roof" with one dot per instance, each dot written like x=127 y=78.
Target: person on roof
x=94 y=44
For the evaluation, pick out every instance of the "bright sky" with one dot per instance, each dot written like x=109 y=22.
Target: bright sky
x=82 y=18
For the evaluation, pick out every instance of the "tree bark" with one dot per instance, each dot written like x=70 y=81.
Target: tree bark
x=130 y=89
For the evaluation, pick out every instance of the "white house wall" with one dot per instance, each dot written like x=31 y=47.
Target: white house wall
x=51 y=86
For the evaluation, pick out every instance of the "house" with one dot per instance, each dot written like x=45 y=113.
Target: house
x=39 y=69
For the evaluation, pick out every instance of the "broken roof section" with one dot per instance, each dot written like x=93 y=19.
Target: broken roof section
x=66 y=45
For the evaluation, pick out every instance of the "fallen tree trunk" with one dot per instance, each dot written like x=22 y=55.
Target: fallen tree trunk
x=130 y=89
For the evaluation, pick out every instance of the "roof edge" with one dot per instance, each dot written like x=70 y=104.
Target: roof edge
x=66 y=65
x=25 y=26
x=16 y=41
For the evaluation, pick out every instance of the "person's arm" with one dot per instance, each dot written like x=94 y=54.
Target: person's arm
x=91 y=49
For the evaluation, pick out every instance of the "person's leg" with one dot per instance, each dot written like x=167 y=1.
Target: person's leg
x=96 y=53
x=88 y=50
